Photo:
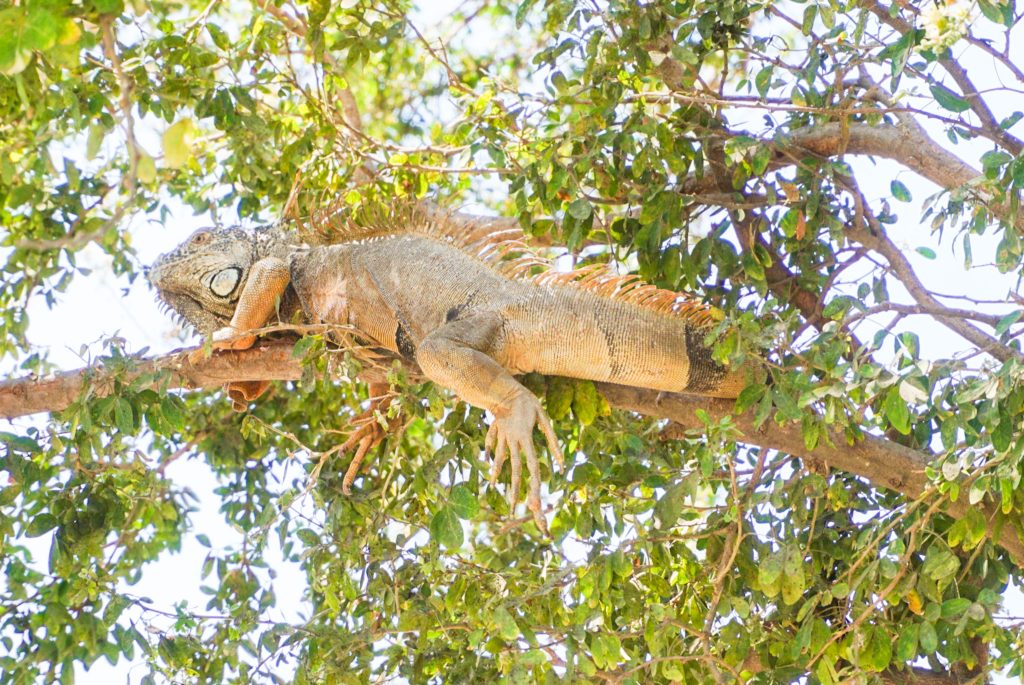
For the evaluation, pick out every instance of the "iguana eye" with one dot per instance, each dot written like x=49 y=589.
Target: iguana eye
x=201 y=238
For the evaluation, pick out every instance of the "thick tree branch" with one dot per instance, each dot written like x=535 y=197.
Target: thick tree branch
x=885 y=464
x=906 y=143
x=25 y=396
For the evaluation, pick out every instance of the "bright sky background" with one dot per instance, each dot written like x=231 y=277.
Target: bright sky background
x=102 y=305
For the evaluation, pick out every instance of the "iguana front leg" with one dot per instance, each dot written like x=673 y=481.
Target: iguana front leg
x=267 y=281
x=455 y=356
x=261 y=293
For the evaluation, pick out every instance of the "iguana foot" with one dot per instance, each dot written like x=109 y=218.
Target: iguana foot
x=230 y=338
x=226 y=338
x=368 y=434
x=510 y=436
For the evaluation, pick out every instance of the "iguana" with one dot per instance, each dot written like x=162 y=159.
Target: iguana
x=463 y=304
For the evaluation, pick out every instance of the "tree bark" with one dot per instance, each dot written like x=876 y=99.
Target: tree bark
x=883 y=463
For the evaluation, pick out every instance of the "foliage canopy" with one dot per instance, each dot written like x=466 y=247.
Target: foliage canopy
x=713 y=146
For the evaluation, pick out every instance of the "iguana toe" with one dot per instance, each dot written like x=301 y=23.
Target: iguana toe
x=511 y=437
x=368 y=434
x=363 y=442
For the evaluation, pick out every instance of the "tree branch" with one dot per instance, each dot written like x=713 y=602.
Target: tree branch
x=885 y=464
x=906 y=143
x=266 y=361
x=868 y=231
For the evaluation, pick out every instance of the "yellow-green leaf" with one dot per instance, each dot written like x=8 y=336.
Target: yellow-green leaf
x=584 y=402
x=178 y=143
x=94 y=141
x=145 y=170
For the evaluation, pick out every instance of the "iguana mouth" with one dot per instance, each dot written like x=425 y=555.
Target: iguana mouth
x=187 y=310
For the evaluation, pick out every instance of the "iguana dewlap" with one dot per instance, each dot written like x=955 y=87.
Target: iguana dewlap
x=467 y=326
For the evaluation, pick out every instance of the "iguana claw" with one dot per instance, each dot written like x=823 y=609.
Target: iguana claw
x=509 y=437
x=226 y=338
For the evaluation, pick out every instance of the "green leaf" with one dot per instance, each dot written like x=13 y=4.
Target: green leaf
x=123 y=418
x=1004 y=323
x=928 y=638
x=303 y=346
x=1006 y=495
x=926 y=252
x=463 y=502
x=559 y=397
x=976 y=525
x=505 y=624
x=810 y=13
x=749 y=396
x=955 y=607
x=793 y=582
x=173 y=411
x=993 y=161
x=753 y=268
x=762 y=156
x=22 y=31
x=896 y=411
x=763 y=80
x=579 y=209
x=947 y=99
x=670 y=505
x=446 y=529
x=584 y=402
x=940 y=563
x=906 y=645
x=94 y=140
x=999 y=11
x=40 y=525
x=956 y=532
x=877 y=650
x=770 y=570
x=900 y=191
x=220 y=38
x=20 y=443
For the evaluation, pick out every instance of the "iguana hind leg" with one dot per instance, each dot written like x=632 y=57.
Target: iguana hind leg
x=455 y=356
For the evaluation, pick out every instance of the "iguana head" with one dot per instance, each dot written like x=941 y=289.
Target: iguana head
x=202 y=279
